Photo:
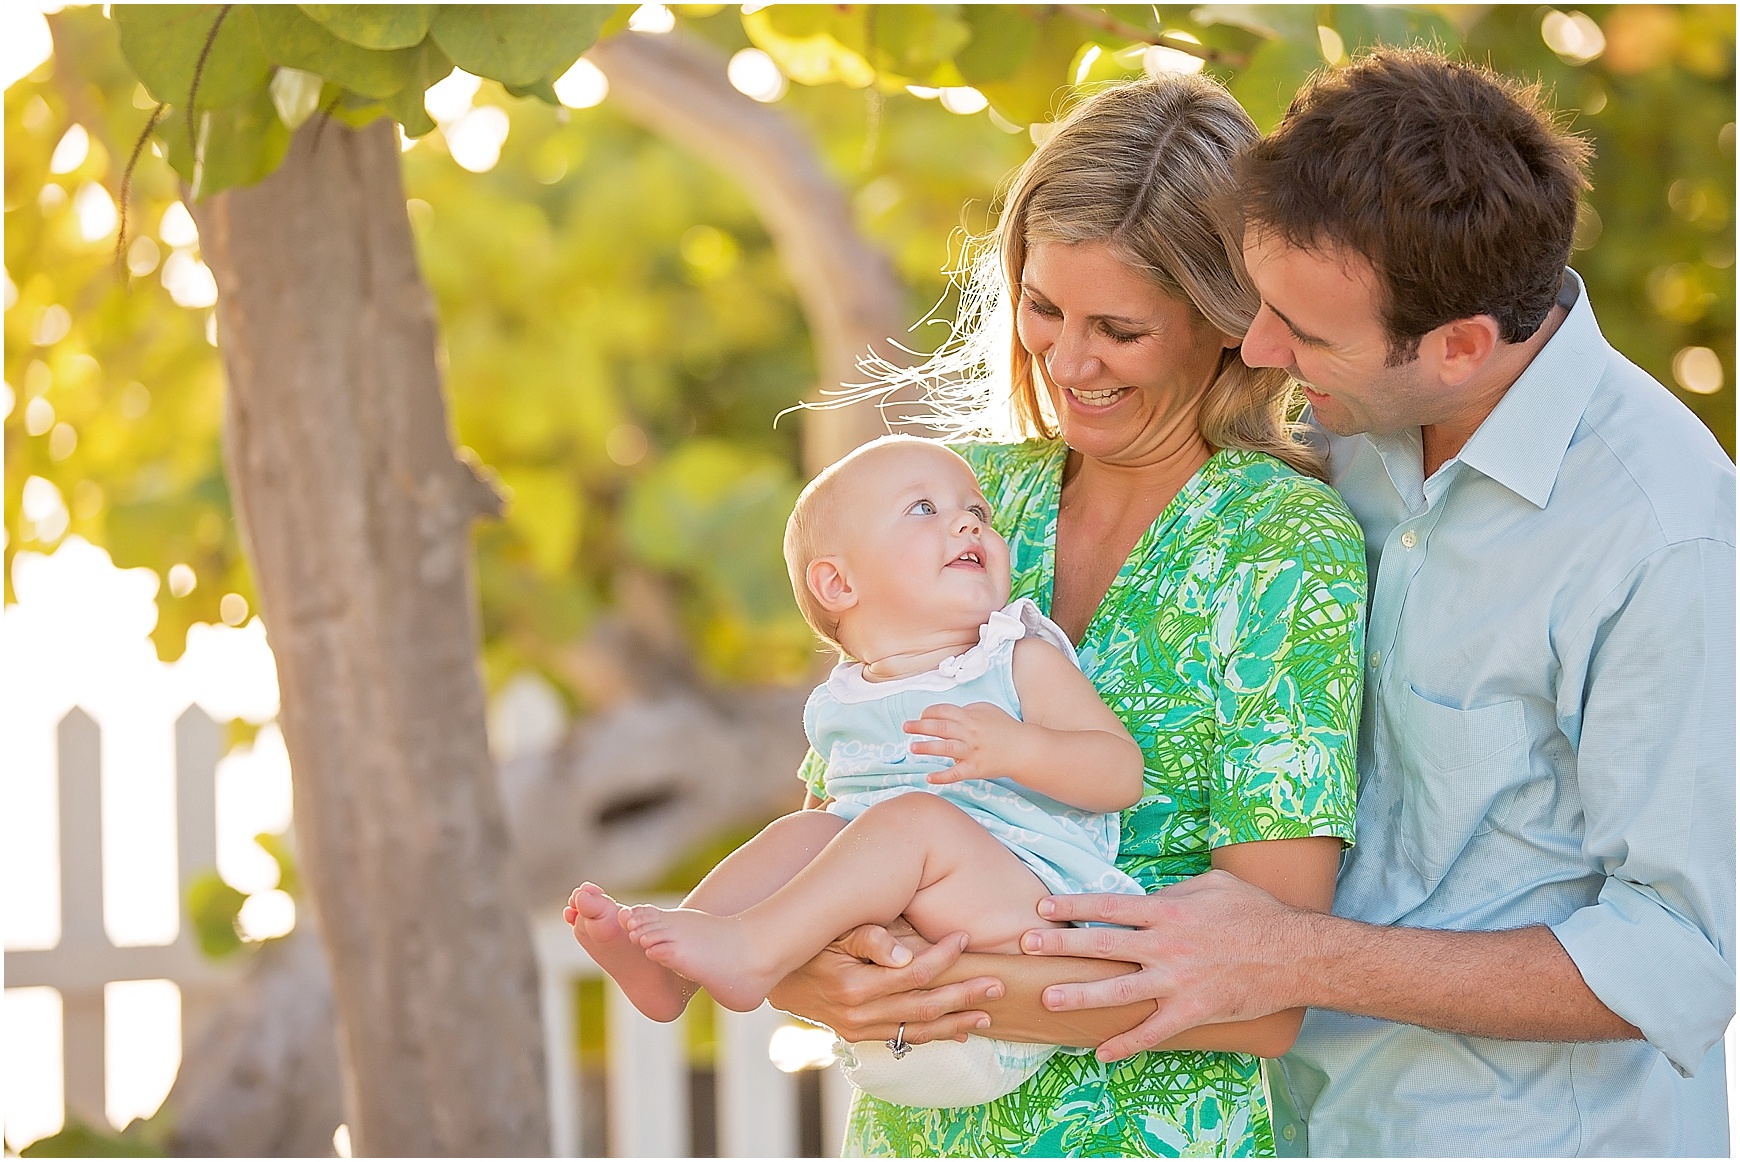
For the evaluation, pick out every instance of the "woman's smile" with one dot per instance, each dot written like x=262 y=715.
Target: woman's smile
x=1097 y=400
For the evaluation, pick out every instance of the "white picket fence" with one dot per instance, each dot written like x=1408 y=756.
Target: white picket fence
x=756 y=1106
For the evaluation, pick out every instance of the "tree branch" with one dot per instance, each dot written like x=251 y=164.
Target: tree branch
x=1106 y=22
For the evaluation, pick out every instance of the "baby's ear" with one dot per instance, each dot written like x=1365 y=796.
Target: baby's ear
x=829 y=584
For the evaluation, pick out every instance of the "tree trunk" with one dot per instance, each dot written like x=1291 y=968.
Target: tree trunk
x=852 y=299
x=357 y=516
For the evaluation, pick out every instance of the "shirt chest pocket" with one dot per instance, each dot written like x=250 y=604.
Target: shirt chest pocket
x=1464 y=769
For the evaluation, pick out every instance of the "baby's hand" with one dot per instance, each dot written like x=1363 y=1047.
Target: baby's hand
x=979 y=737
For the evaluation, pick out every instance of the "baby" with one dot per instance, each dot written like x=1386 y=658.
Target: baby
x=953 y=691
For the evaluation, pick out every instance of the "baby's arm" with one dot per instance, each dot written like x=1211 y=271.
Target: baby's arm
x=1068 y=746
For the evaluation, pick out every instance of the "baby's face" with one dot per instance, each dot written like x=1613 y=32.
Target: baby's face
x=918 y=543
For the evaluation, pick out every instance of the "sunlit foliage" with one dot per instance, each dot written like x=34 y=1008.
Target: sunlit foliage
x=617 y=332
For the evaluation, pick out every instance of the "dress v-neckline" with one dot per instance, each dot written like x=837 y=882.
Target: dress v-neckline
x=1145 y=544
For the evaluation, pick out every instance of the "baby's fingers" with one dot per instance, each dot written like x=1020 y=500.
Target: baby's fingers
x=948 y=748
x=933 y=726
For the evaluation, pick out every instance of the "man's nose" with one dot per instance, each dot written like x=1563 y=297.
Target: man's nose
x=1264 y=344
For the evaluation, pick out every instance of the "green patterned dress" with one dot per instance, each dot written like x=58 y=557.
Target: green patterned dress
x=1229 y=645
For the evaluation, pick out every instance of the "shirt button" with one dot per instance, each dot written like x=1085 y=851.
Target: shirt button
x=1376 y=657
x=1290 y=1132
x=1409 y=540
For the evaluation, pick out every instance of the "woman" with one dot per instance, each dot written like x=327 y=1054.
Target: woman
x=1159 y=508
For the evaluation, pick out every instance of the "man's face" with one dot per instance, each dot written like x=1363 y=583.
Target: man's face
x=1321 y=321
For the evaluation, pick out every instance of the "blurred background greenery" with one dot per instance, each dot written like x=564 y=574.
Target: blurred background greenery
x=618 y=333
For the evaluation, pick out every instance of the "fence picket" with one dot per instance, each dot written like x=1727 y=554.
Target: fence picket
x=756 y=1104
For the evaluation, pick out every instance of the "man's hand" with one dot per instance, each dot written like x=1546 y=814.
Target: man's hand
x=1213 y=949
x=979 y=737
x=857 y=989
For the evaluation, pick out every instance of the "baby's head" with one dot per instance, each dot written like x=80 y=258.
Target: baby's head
x=891 y=548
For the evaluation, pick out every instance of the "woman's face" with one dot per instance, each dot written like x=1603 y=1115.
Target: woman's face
x=1125 y=364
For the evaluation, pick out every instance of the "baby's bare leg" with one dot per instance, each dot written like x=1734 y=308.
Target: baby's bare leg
x=745 y=877
x=917 y=854
x=765 y=864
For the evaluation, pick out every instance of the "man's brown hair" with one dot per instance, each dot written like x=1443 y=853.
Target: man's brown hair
x=1455 y=183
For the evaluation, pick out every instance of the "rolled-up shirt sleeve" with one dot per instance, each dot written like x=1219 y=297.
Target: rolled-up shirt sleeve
x=1656 y=772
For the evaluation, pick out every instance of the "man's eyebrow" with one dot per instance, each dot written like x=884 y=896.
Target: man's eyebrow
x=1302 y=336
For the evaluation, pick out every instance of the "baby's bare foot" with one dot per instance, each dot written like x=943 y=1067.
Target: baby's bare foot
x=713 y=951
x=654 y=989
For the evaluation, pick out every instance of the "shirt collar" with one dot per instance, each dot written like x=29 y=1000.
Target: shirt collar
x=1523 y=442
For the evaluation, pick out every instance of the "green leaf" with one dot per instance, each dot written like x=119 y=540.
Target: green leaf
x=1003 y=36
x=141 y=1139
x=239 y=144
x=1275 y=21
x=543 y=89
x=296 y=96
x=295 y=41
x=1031 y=92
x=811 y=58
x=1364 y=27
x=428 y=64
x=357 y=111
x=517 y=44
x=378 y=26
x=913 y=39
x=163 y=43
x=213 y=906
x=1276 y=71
x=406 y=107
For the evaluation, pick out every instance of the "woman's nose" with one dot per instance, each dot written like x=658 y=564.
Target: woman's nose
x=1070 y=362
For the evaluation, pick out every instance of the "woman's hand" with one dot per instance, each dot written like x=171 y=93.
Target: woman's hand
x=859 y=987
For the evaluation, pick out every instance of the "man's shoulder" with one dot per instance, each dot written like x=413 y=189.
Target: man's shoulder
x=1641 y=448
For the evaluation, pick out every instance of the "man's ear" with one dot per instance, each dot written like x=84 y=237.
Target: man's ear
x=1461 y=347
x=830 y=586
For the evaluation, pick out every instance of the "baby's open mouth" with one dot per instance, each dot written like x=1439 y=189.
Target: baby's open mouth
x=970 y=558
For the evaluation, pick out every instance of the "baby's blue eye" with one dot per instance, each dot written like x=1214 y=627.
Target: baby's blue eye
x=922 y=508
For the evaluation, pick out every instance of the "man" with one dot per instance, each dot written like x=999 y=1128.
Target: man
x=1532 y=950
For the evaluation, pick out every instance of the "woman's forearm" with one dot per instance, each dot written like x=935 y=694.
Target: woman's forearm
x=1020 y=1016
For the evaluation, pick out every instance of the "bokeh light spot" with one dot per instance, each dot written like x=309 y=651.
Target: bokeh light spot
x=754 y=74
x=582 y=86
x=233 y=609
x=1698 y=370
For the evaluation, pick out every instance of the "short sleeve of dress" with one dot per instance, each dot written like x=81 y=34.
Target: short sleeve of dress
x=1288 y=635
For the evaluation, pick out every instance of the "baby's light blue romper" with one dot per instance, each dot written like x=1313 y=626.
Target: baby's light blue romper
x=856 y=725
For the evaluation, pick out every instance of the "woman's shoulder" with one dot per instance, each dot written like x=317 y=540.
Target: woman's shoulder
x=1270 y=502
x=994 y=458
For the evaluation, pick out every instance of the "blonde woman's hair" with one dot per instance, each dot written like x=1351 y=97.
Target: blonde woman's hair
x=1145 y=167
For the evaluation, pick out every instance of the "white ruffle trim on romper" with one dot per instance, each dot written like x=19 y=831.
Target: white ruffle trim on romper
x=1020 y=618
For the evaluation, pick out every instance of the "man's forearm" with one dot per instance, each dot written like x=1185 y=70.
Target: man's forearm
x=1516 y=985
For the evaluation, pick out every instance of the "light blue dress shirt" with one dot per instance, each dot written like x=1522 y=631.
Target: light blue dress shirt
x=1548 y=738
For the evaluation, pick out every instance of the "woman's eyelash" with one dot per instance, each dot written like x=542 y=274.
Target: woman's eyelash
x=1045 y=310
